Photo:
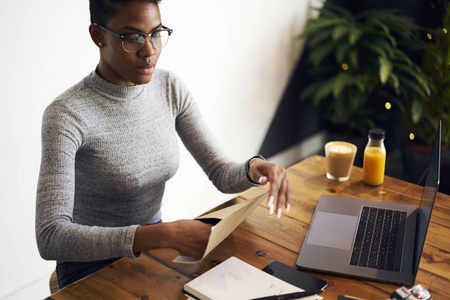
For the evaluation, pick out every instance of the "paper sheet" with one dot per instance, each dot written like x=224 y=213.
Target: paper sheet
x=314 y=297
x=226 y=221
x=237 y=280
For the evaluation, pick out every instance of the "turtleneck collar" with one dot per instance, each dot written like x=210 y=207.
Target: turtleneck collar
x=122 y=93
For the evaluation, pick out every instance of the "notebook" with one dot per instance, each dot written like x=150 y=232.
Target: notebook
x=295 y=276
x=236 y=279
x=371 y=239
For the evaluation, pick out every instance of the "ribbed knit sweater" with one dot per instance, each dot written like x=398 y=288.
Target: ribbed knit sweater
x=107 y=152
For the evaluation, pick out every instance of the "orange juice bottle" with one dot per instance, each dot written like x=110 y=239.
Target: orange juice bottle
x=374 y=158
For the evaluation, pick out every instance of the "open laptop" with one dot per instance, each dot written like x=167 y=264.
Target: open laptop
x=344 y=233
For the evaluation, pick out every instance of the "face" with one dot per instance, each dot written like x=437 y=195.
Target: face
x=128 y=68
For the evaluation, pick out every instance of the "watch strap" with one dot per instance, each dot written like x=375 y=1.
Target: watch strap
x=247 y=169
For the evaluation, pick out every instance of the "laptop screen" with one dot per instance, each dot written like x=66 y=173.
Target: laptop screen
x=428 y=196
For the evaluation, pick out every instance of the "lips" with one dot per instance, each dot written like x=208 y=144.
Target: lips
x=146 y=69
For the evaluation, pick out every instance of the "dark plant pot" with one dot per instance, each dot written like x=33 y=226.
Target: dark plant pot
x=416 y=159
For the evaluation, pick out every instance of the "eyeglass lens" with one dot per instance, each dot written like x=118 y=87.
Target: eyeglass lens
x=134 y=43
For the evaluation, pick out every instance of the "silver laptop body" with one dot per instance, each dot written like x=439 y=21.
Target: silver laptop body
x=332 y=244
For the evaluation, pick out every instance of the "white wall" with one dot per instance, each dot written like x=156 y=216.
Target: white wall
x=236 y=56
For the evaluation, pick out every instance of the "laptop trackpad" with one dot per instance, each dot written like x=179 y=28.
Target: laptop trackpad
x=333 y=230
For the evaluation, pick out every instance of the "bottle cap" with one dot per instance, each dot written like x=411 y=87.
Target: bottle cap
x=376 y=133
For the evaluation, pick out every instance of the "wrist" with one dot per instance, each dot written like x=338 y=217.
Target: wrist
x=150 y=237
x=248 y=166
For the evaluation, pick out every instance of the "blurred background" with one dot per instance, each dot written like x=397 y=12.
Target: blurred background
x=246 y=65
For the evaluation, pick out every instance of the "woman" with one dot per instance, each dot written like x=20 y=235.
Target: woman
x=109 y=144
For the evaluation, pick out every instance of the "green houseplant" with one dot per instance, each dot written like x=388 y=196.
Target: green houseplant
x=360 y=70
x=423 y=112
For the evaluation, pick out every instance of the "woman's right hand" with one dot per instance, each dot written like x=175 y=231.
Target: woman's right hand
x=190 y=237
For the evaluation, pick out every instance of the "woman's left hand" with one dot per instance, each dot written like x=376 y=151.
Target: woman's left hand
x=263 y=171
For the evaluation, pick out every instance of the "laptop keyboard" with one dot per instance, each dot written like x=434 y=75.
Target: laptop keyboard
x=378 y=244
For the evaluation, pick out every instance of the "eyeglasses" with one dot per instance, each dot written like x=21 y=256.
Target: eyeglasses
x=133 y=42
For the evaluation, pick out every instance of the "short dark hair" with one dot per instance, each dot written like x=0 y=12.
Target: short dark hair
x=103 y=10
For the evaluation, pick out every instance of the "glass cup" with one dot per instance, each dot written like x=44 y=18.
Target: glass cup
x=340 y=157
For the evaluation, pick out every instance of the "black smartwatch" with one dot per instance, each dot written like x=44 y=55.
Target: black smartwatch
x=247 y=169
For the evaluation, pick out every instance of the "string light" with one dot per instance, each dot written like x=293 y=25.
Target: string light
x=411 y=136
x=429 y=36
x=345 y=67
x=444 y=30
x=388 y=105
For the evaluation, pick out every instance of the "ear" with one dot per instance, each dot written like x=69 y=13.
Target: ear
x=96 y=35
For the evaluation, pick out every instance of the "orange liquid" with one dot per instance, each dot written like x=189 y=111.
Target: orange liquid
x=374 y=162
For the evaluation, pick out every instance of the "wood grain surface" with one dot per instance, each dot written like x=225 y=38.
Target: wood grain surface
x=262 y=238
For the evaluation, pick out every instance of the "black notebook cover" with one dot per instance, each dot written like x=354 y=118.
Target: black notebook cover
x=295 y=277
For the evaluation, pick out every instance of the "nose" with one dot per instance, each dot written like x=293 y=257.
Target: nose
x=147 y=48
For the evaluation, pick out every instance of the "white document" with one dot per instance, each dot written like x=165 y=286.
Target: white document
x=235 y=279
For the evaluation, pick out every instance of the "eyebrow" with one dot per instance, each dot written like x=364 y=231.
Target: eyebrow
x=134 y=29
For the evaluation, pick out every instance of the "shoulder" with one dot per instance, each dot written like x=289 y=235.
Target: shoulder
x=71 y=96
x=69 y=103
x=166 y=77
x=172 y=87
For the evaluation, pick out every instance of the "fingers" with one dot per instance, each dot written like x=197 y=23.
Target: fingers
x=270 y=204
x=263 y=180
x=280 y=191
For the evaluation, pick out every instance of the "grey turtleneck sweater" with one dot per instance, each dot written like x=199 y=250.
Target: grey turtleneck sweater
x=107 y=152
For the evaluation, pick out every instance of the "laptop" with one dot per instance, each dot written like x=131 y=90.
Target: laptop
x=369 y=239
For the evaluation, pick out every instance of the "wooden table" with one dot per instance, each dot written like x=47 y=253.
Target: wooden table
x=261 y=239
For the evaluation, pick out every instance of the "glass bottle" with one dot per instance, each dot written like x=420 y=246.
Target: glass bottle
x=374 y=158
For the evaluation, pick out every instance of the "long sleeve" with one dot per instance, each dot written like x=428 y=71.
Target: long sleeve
x=227 y=175
x=58 y=236
x=107 y=152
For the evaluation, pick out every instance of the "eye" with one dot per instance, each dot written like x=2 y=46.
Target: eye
x=135 y=38
x=156 y=35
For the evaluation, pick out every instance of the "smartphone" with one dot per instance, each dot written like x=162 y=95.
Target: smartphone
x=295 y=276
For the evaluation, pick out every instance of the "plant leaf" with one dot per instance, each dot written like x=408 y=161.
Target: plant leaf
x=355 y=35
x=323 y=91
x=417 y=75
x=395 y=83
x=373 y=23
x=361 y=83
x=312 y=89
x=354 y=58
x=319 y=38
x=379 y=46
x=319 y=53
x=342 y=51
x=316 y=25
x=385 y=69
x=416 y=111
x=340 y=82
x=413 y=86
x=339 y=32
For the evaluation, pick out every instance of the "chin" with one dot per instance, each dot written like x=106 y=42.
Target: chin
x=143 y=80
